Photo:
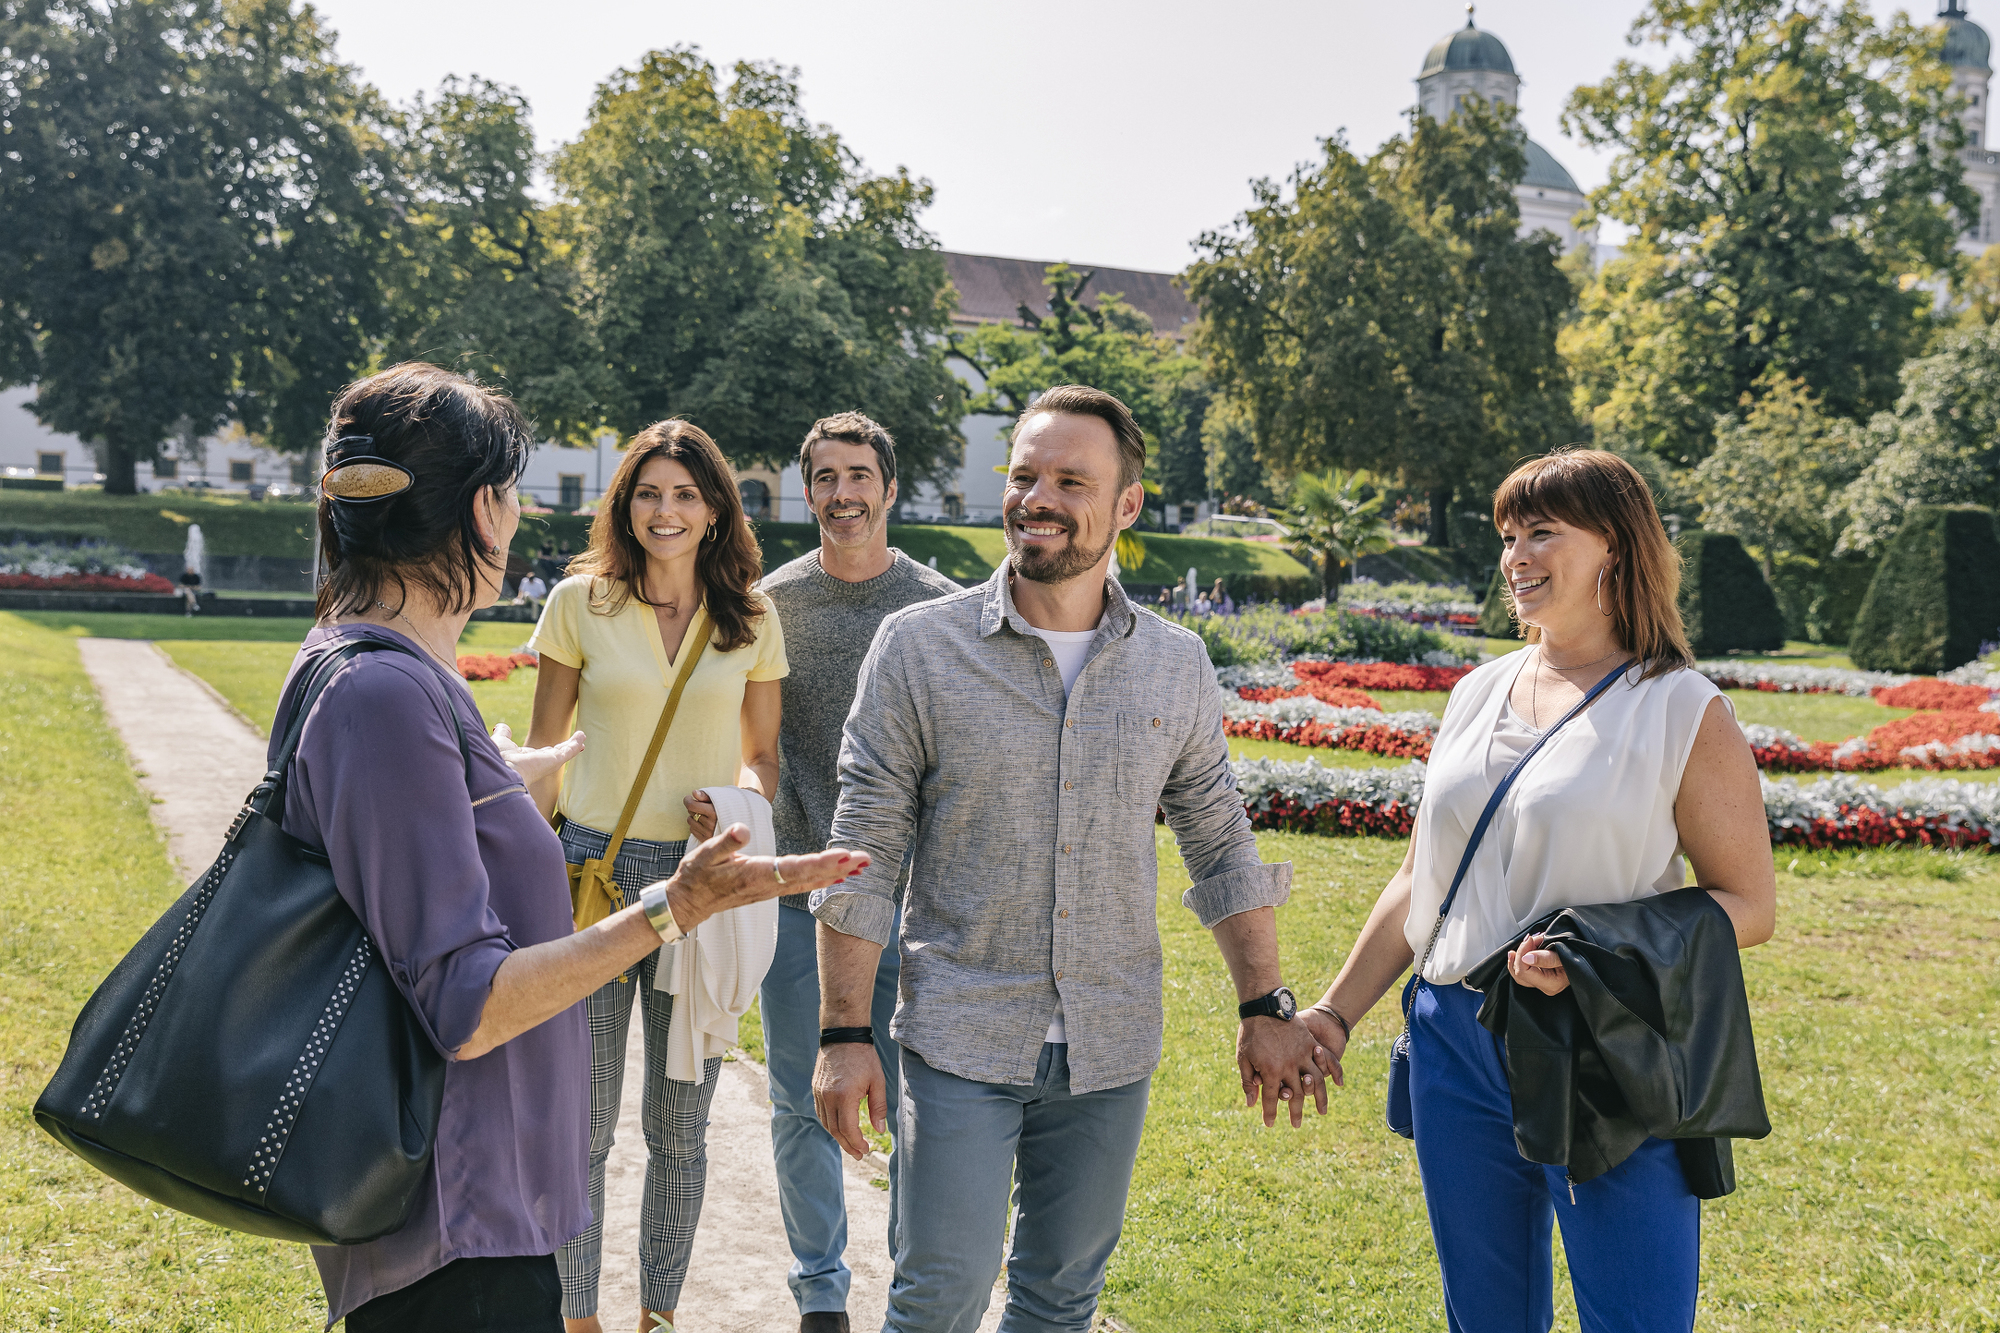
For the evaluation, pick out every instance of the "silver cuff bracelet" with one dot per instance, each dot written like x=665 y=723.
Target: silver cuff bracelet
x=653 y=902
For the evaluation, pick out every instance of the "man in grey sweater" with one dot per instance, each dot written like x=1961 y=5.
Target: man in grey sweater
x=829 y=601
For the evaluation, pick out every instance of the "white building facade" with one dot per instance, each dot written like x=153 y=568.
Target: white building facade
x=1969 y=53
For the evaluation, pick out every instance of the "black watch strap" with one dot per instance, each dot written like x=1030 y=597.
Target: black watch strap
x=846 y=1036
x=1278 y=1004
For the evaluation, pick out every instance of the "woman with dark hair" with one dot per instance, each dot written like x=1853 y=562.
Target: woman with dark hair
x=1651 y=778
x=446 y=860
x=670 y=549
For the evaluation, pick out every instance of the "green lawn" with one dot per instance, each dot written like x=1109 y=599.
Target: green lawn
x=1874 y=1204
x=85 y=875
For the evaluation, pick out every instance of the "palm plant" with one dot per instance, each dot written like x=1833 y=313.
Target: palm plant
x=1333 y=524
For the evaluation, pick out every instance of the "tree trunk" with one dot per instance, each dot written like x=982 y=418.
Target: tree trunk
x=1440 y=526
x=1328 y=577
x=121 y=469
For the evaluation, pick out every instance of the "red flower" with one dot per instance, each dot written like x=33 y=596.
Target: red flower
x=152 y=583
x=1933 y=694
x=1921 y=728
x=1380 y=675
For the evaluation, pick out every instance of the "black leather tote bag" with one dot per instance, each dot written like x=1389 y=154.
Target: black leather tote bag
x=249 y=1061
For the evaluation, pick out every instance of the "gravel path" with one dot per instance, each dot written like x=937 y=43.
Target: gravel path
x=199 y=760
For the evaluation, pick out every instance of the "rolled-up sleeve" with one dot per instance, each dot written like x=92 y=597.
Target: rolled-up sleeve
x=881 y=774
x=1205 y=811
x=380 y=774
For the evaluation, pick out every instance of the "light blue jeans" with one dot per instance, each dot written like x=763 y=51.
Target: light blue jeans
x=809 y=1171
x=961 y=1142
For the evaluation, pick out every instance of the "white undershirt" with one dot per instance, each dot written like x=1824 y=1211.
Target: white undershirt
x=1070 y=648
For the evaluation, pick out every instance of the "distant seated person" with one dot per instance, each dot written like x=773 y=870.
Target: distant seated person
x=1220 y=600
x=191 y=589
x=531 y=591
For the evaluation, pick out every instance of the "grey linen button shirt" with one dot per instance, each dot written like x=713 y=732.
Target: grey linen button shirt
x=1032 y=816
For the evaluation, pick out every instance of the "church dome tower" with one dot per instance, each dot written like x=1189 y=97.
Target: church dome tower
x=1472 y=63
x=1467 y=63
x=1968 y=51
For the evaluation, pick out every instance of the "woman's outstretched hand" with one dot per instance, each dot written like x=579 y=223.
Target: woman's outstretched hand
x=715 y=876
x=1532 y=965
x=534 y=765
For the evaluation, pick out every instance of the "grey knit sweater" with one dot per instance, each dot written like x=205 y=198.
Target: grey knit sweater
x=829 y=624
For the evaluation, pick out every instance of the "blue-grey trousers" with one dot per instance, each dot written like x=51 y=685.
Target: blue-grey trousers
x=810 y=1182
x=961 y=1142
x=1632 y=1235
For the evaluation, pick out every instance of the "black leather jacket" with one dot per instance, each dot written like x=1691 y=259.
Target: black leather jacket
x=1651 y=1039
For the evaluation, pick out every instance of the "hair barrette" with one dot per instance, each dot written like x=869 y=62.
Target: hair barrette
x=363 y=478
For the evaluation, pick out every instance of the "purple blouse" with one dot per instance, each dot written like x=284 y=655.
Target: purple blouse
x=449 y=877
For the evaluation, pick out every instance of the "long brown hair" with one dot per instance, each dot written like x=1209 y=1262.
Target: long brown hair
x=1601 y=492
x=728 y=563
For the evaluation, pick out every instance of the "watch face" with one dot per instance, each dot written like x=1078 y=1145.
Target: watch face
x=1288 y=1005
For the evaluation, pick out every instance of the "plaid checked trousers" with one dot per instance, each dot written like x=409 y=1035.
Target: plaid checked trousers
x=673 y=1115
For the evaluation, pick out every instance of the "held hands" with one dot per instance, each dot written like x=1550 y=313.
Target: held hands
x=842 y=1078
x=1285 y=1062
x=534 y=765
x=716 y=876
x=1532 y=965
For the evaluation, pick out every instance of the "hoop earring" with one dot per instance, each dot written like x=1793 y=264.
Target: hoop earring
x=711 y=531
x=1600 y=592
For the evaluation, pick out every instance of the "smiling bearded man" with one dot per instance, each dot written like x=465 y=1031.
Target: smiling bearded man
x=1017 y=738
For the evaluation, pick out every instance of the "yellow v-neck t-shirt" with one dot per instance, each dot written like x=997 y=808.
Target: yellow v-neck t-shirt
x=626 y=679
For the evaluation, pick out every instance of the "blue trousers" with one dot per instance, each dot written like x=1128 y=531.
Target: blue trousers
x=1070 y=1158
x=810 y=1193
x=1632 y=1236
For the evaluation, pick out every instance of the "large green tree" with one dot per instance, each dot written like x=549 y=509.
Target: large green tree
x=1788 y=169
x=192 y=195
x=741 y=269
x=1386 y=314
x=485 y=277
x=1940 y=446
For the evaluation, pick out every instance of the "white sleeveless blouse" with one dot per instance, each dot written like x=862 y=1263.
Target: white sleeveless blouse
x=1590 y=820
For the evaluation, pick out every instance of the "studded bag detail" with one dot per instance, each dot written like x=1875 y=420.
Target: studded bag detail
x=250 y=1062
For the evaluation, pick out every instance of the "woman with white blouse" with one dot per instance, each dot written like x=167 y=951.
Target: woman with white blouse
x=1654 y=772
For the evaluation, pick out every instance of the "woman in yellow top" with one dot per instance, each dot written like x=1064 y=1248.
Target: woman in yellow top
x=670 y=538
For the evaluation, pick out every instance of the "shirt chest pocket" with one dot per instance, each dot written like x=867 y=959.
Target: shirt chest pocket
x=1148 y=744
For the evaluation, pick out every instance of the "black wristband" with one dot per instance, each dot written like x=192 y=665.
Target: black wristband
x=843 y=1036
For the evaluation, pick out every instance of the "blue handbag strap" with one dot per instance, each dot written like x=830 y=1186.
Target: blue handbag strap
x=1506 y=783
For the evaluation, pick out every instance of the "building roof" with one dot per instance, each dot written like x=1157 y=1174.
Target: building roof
x=1544 y=172
x=1468 y=48
x=992 y=290
x=1965 y=42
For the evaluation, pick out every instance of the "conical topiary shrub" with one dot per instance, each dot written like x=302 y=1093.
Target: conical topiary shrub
x=1496 y=616
x=1725 y=602
x=1936 y=595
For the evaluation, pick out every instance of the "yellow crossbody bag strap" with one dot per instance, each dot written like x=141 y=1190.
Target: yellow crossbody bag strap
x=593 y=893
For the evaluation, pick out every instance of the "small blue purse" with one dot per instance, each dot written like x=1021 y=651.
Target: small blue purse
x=1401 y=1118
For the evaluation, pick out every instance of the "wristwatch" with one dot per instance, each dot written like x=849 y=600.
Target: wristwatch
x=1280 y=1004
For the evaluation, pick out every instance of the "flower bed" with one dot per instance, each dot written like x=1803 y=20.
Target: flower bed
x=1270 y=680
x=1303 y=720
x=493 y=666
x=1928 y=692
x=1776 y=679
x=1337 y=695
x=138 y=581
x=1309 y=797
x=1923 y=740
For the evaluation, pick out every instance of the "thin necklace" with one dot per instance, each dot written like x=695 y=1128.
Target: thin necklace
x=450 y=662
x=1535 y=682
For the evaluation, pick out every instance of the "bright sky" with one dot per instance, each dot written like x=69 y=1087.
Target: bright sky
x=1053 y=129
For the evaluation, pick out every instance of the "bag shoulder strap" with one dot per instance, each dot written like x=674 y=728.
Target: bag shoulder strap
x=268 y=791
x=692 y=647
x=1499 y=795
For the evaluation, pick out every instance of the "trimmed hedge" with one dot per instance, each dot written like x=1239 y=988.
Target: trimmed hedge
x=1936 y=596
x=1496 y=620
x=1725 y=602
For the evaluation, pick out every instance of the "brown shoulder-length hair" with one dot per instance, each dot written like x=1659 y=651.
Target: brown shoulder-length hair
x=1601 y=492
x=729 y=562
